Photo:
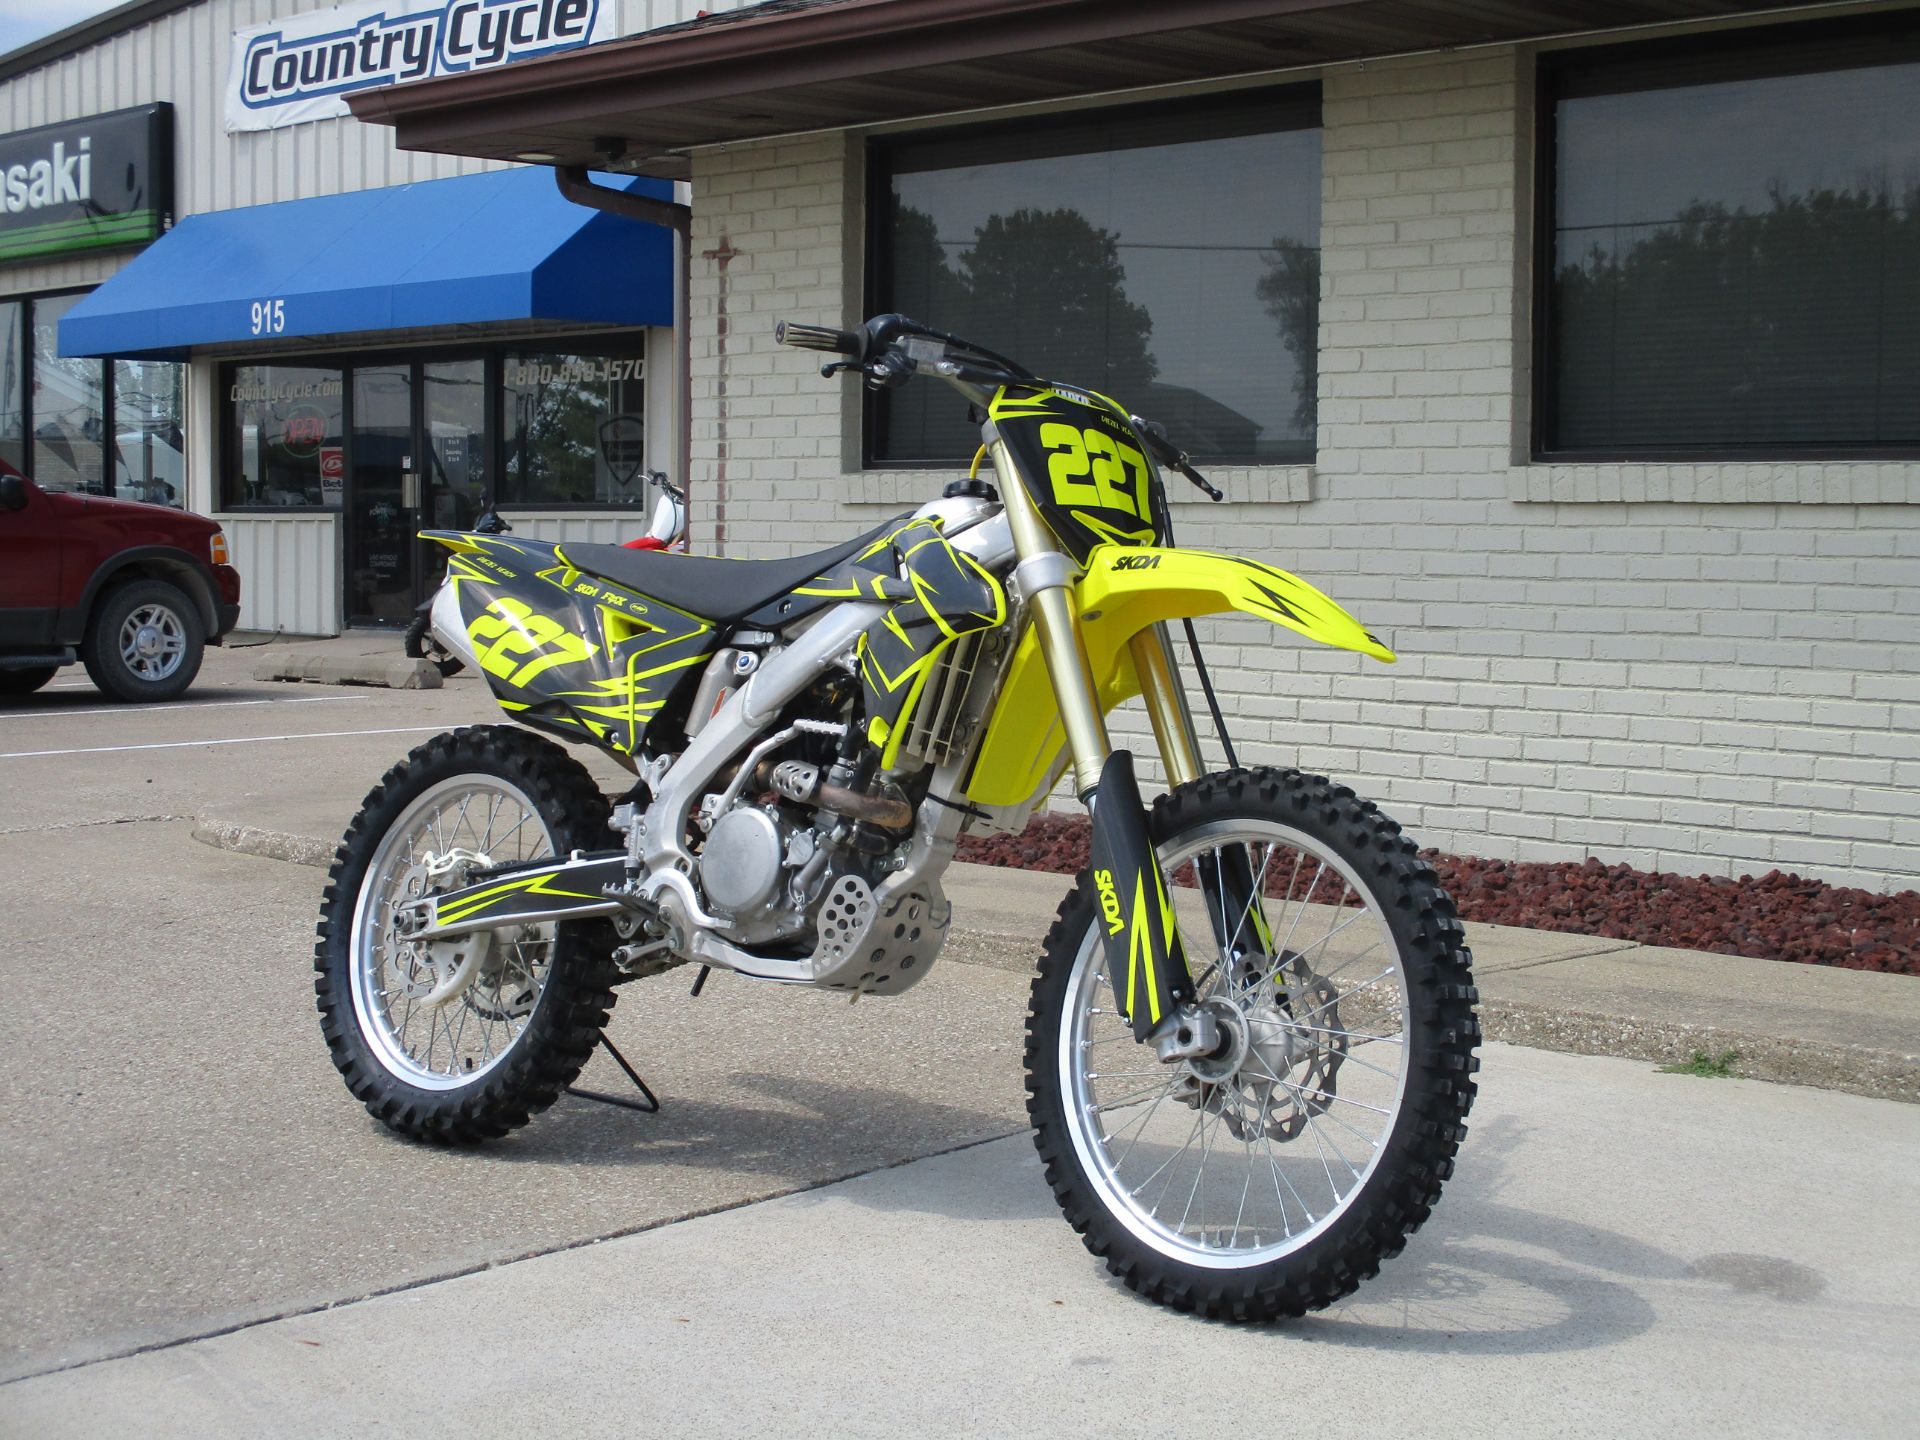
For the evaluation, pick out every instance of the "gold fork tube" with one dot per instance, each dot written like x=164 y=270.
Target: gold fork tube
x=1166 y=701
x=1057 y=623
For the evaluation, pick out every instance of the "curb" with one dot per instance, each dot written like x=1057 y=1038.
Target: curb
x=268 y=844
x=392 y=671
x=1852 y=1069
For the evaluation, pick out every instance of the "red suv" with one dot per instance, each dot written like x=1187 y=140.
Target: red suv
x=135 y=591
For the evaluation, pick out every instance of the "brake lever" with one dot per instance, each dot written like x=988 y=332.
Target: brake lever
x=1169 y=455
x=1200 y=481
x=834 y=367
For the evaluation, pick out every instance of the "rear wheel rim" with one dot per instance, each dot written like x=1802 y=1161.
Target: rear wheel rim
x=1177 y=1174
x=473 y=1033
x=153 y=642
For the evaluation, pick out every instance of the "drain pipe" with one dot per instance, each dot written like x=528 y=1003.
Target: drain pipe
x=576 y=186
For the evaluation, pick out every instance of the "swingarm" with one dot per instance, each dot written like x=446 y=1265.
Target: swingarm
x=576 y=888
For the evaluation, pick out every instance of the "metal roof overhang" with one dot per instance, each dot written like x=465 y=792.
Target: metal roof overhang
x=793 y=66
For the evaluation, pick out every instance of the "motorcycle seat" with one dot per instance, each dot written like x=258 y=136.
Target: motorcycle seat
x=710 y=587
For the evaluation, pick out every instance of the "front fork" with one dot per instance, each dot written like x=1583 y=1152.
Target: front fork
x=1146 y=960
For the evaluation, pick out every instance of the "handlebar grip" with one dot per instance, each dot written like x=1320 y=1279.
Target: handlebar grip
x=818 y=337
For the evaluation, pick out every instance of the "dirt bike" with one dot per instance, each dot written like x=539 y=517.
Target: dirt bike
x=1252 y=1029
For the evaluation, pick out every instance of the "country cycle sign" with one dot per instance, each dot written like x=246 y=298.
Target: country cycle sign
x=303 y=67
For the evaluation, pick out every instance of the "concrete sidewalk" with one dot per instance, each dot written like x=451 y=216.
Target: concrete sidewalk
x=1801 y=1024
x=1591 y=1270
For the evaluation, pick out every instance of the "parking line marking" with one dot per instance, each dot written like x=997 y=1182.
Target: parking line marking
x=18 y=715
x=242 y=740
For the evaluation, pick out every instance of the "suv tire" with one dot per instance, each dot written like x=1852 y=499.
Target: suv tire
x=145 y=642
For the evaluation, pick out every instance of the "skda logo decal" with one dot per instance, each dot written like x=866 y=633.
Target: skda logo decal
x=1109 y=901
x=1137 y=562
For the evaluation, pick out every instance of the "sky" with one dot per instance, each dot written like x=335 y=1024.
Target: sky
x=24 y=21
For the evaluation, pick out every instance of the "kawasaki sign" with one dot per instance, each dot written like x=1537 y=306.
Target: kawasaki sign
x=304 y=66
x=92 y=184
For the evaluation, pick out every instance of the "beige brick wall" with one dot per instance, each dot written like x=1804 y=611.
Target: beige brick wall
x=1721 y=682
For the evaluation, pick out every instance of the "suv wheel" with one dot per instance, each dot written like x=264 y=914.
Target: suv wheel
x=145 y=642
x=25 y=682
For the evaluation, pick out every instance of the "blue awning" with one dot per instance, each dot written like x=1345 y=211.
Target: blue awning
x=503 y=246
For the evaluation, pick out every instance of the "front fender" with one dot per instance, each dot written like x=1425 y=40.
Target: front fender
x=1124 y=590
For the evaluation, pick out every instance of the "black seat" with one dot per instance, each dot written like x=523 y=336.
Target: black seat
x=714 y=589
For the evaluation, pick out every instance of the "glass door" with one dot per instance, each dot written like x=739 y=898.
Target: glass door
x=383 y=497
x=453 y=454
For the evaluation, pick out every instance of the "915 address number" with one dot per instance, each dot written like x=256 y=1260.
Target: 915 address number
x=269 y=316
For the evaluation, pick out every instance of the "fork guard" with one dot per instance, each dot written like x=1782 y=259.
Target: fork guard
x=570 y=889
x=1145 y=959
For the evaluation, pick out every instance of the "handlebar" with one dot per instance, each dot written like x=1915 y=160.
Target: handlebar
x=875 y=350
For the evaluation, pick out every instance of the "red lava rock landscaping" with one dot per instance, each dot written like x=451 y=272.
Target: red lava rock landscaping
x=1771 y=917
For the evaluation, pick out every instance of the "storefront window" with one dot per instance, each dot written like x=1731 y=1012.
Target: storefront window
x=288 y=426
x=13 y=390
x=1168 y=256
x=149 y=432
x=575 y=429
x=1734 y=248
x=69 y=406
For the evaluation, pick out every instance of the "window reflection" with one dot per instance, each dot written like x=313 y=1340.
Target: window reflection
x=1737 y=255
x=1169 y=259
x=288 y=426
x=68 y=450
x=576 y=429
x=149 y=424
x=13 y=419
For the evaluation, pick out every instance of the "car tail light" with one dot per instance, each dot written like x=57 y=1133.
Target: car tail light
x=218 y=547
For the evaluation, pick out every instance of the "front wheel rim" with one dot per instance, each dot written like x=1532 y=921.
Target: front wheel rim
x=474 y=1032
x=153 y=642
x=1174 y=1171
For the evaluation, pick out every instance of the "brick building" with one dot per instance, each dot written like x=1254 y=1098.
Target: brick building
x=1579 y=358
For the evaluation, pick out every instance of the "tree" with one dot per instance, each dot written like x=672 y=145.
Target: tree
x=1289 y=291
x=1792 y=325
x=1048 y=288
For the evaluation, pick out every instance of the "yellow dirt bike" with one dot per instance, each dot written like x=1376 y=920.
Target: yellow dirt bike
x=1252 y=1027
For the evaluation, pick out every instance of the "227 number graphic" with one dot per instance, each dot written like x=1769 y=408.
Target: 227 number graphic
x=1091 y=469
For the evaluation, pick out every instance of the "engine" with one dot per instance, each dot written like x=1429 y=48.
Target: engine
x=804 y=817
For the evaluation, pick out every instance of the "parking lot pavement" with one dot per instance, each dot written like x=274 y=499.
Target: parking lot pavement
x=229 y=745
x=179 y=1153
x=1622 y=1253
x=181 y=1156
x=178 y=1158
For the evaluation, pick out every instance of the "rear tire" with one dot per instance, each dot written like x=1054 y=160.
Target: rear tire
x=504 y=1048
x=1259 y=1234
x=25 y=682
x=145 y=642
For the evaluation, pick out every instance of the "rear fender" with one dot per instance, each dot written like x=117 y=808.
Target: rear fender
x=1124 y=590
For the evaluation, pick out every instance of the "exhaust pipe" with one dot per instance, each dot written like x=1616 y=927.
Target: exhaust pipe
x=801 y=783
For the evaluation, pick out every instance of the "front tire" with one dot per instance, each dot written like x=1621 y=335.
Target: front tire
x=145 y=643
x=1270 y=1181
x=501 y=1049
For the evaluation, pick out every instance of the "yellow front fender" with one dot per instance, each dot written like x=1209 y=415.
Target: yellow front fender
x=1126 y=589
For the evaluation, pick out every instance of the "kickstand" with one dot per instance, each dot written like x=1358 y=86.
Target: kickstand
x=650 y=1106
